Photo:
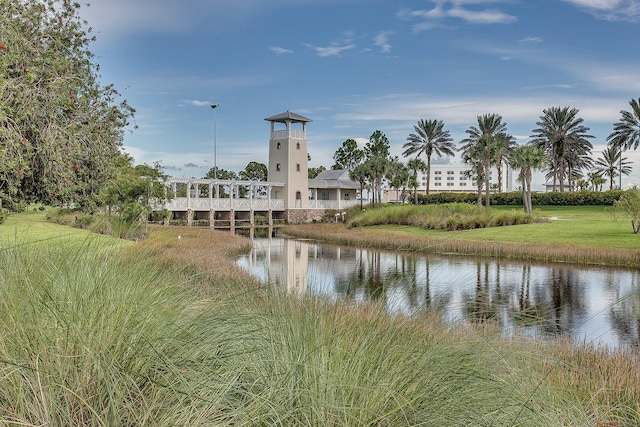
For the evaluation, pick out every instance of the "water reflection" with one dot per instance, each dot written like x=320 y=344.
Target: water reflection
x=589 y=304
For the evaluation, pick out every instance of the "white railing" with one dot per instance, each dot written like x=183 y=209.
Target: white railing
x=291 y=133
x=332 y=204
x=183 y=204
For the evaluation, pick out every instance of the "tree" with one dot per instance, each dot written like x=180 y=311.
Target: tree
x=491 y=125
x=360 y=174
x=626 y=132
x=313 y=172
x=378 y=162
x=481 y=155
x=415 y=165
x=527 y=158
x=596 y=181
x=430 y=138
x=254 y=171
x=348 y=156
x=136 y=190
x=561 y=134
x=611 y=164
x=629 y=206
x=399 y=177
x=60 y=130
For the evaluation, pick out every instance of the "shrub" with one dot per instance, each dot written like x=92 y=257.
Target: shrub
x=4 y=213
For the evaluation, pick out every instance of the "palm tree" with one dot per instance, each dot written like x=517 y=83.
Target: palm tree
x=415 y=165
x=492 y=125
x=596 y=180
x=564 y=138
x=430 y=138
x=527 y=158
x=612 y=163
x=626 y=132
x=486 y=152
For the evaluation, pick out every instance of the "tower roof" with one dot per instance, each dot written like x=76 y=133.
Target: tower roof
x=288 y=116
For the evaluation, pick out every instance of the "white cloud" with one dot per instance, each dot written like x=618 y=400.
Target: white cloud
x=531 y=39
x=444 y=9
x=381 y=40
x=334 y=49
x=610 y=10
x=279 y=50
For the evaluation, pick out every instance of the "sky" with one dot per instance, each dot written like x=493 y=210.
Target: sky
x=357 y=66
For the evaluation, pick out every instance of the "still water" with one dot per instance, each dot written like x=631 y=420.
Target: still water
x=592 y=305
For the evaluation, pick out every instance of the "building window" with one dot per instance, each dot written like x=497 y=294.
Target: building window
x=450 y=178
x=347 y=196
x=449 y=184
x=278 y=167
x=278 y=146
x=297 y=167
x=438 y=184
x=297 y=145
x=438 y=178
x=437 y=173
x=463 y=184
x=450 y=172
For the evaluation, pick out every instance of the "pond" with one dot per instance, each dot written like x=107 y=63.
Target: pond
x=591 y=305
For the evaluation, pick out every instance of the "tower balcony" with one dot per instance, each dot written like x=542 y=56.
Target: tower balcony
x=289 y=134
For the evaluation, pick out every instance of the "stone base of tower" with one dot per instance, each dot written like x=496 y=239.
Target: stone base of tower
x=300 y=216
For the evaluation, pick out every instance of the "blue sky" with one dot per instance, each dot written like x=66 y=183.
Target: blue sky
x=356 y=66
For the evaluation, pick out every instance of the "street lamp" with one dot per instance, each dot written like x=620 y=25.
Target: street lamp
x=215 y=155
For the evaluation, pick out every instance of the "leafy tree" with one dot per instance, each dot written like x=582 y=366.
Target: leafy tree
x=629 y=206
x=611 y=164
x=561 y=134
x=626 y=132
x=527 y=158
x=416 y=164
x=348 y=156
x=360 y=174
x=493 y=126
x=136 y=190
x=222 y=174
x=254 y=171
x=378 y=162
x=430 y=138
x=60 y=130
x=313 y=172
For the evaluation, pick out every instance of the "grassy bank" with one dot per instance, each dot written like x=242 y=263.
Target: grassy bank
x=168 y=332
x=583 y=235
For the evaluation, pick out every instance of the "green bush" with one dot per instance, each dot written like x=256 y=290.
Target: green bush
x=514 y=198
x=4 y=213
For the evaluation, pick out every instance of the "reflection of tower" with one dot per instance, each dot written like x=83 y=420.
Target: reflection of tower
x=288 y=265
x=288 y=159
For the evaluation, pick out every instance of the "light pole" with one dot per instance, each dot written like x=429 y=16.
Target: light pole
x=215 y=155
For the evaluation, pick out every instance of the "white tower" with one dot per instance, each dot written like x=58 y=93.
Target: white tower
x=288 y=159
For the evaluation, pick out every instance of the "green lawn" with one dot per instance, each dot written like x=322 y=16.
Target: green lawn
x=591 y=226
x=32 y=227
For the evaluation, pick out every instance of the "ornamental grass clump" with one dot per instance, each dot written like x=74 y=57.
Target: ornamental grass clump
x=450 y=217
x=93 y=339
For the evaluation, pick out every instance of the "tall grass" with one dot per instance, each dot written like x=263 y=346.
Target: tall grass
x=450 y=216
x=396 y=239
x=95 y=340
x=168 y=333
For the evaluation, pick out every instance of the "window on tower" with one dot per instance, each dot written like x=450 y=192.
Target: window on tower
x=278 y=167
x=278 y=146
x=297 y=145
x=297 y=167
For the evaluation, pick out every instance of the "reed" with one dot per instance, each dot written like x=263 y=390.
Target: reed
x=396 y=239
x=168 y=332
x=450 y=216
